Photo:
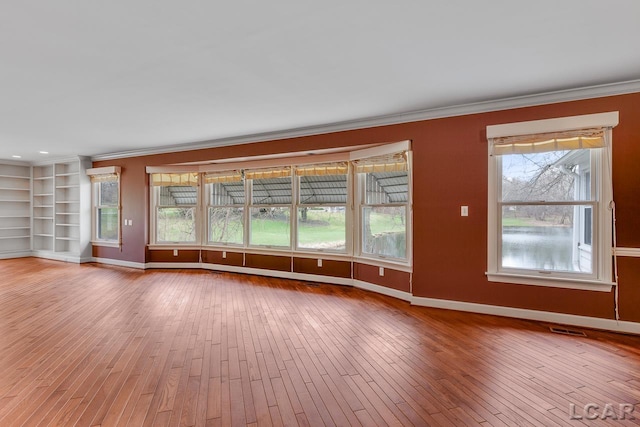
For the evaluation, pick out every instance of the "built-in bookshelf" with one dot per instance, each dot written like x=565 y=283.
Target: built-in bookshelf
x=15 y=210
x=43 y=208
x=61 y=210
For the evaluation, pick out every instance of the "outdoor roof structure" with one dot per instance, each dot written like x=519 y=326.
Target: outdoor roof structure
x=324 y=189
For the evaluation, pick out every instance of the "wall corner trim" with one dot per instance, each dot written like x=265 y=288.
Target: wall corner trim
x=541 y=316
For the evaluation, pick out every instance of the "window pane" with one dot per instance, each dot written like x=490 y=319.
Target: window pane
x=322 y=228
x=546 y=238
x=226 y=193
x=272 y=191
x=176 y=225
x=108 y=193
x=385 y=231
x=107 y=223
x=551 y=176
x=177 y=195
x=226 y=225
x=386 y=187
x=323 y=189
x=270 y=226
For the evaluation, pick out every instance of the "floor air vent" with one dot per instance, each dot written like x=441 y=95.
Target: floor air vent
x=565 y=331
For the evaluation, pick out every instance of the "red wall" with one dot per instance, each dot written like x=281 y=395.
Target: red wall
x=450 y=170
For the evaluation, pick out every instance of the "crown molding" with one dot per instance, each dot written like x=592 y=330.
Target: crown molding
x=597 y=91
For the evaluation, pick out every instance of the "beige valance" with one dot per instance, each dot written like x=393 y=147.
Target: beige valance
x=174 y=179
x=388 y=163
x=544 y=142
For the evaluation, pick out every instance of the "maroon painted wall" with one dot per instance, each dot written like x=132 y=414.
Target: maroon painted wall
x=450 y=170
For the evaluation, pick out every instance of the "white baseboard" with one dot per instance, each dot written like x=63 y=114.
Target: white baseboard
x=119 y=263
x=541 y=316
x=406 y=296
x=9 y=255
x=62 y=256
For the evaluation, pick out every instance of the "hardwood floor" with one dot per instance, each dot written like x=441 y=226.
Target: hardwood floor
x=94 y=345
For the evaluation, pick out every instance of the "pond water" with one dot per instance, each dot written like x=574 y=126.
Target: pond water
x=538 y=248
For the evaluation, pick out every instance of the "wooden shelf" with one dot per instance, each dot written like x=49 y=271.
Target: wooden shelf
x=15 y=177
x=67 y=225
x=14 y=237
x=68 y=174
x=42 y=178
x=68 y=239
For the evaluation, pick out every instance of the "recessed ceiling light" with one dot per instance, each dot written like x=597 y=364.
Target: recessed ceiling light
x=15 y=156
x=43 y=152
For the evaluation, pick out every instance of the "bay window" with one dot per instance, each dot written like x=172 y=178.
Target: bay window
x=351 y=203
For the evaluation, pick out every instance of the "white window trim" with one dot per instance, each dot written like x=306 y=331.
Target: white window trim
x=358 y=203
x=348 y=205
x=602 y=278
x=107 y=170
x=207 y=226
x=154 y=202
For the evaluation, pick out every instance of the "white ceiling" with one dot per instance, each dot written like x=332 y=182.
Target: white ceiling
x=81 y=77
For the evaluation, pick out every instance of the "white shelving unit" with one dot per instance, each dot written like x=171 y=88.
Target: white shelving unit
x=43 y=209
x=62 y=210
x=15 y=210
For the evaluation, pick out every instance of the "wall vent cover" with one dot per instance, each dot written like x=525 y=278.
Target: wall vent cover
x=565 y=331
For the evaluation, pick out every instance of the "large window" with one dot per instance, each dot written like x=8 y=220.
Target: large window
x=353 y=203
x=105 y=188
x=175 y=199
x=270 y=207
x=225 y=208
x=548 y=215
x=322 y=207
x=384 y=206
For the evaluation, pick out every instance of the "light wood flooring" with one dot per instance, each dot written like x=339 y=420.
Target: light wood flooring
x=95 y=345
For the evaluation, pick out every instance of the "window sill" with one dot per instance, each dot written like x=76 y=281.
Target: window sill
x=552 y=282
x=105 y=244
x=182 y=246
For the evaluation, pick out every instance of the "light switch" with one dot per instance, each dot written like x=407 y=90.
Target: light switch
x=381 y=271
x=464 y=210
x=319 y=262
x=224 y=254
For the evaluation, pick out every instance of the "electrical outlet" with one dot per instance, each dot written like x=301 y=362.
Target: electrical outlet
x=381 y=271
x=319 y=262
x=175 y=252
x=224 y=254
x=464 y=210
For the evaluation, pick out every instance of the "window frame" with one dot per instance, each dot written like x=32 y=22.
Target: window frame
x=348 y=215
x=600 y=279
x=206 y=214
x=250 y=205
x=155 y=205
x=360 y=205
x=94 y=174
